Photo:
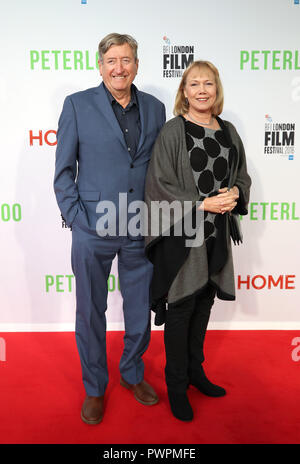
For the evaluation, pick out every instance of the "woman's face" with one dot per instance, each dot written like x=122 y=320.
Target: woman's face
x=200 y=90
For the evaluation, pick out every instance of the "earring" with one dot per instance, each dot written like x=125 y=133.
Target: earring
x=186 y=101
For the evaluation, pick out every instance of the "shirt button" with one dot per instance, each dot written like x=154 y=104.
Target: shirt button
x=128 y=148
x=126 y=130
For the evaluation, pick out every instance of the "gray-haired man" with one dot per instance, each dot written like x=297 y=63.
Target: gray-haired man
x=104 y=142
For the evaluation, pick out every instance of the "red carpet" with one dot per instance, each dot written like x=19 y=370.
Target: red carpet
x=42 y=393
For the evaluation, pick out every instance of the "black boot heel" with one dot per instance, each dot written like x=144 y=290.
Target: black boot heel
x=200 y=381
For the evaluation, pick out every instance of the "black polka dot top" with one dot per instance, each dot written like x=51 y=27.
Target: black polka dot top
x=208 y=151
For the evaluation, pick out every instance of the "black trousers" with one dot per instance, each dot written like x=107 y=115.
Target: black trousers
x=185 y=329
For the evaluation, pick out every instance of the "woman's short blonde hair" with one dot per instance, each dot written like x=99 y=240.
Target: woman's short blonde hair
x=181 y=104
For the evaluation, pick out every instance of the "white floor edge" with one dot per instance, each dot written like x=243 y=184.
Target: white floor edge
x=228 y=325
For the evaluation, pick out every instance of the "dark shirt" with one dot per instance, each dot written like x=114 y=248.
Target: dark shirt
x=128 y=119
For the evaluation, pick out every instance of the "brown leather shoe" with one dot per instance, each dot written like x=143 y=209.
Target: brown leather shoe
x=143 y=392
x=92 y=410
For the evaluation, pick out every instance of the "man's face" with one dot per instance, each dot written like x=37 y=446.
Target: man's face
x=118 y=68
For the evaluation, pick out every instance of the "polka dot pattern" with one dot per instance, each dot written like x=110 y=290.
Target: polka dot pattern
x=206 y=181
x=211 y=147
x=220 y=137
x=189 y=142
x=198 y=159
x=220 y=168
x=196 y=131
x=210 y=157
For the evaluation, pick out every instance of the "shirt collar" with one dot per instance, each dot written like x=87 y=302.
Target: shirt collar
x=133 y=98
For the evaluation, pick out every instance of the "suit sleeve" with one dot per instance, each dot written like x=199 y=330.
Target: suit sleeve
x=66 y=163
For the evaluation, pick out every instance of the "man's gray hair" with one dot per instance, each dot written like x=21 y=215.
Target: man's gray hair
x=116 y=39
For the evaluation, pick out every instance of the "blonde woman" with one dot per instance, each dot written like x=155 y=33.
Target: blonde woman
x=197 y=157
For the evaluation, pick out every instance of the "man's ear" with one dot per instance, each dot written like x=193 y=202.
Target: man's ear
x=100 y=67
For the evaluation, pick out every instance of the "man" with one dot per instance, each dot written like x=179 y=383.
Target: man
x=104 y=142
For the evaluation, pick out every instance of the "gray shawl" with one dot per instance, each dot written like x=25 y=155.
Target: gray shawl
x=180 y=272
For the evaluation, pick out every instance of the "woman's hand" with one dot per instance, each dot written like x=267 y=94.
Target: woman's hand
x=222 y=203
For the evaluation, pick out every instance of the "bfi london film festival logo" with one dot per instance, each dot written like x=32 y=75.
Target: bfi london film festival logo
x=279 y=138
x=176 y=58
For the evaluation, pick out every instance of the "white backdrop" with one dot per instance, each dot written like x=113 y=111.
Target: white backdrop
x=48 y=50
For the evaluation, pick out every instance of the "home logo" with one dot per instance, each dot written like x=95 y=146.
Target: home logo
x=176 y=58
x=266 y=282
x=42 y=137
x=279 y=138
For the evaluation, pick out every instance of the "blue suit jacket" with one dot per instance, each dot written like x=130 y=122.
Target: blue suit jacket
x=92 y=160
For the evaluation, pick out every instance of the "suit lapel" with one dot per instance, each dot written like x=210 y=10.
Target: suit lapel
x=105 y=107
x=143 y=119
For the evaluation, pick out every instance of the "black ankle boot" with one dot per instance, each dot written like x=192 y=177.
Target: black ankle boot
x=180 y=405
x=199 y=380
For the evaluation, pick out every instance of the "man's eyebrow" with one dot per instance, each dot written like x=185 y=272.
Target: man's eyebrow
x=122 y=57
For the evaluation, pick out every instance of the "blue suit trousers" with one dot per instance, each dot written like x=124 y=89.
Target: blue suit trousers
x=92 y=258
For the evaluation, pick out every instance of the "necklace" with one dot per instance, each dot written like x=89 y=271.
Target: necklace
x=199 y=122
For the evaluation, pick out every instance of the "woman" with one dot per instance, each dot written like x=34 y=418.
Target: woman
x=197 y=157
